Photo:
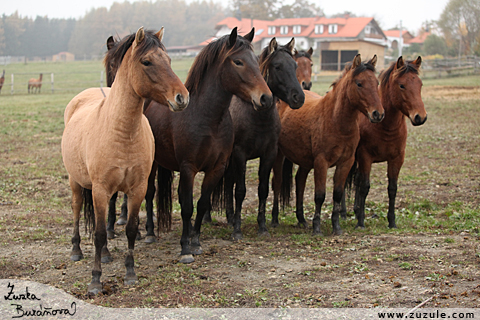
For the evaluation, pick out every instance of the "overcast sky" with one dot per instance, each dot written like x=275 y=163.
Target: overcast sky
x=388 y=14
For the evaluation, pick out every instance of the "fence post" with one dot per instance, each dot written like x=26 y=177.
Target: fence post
x=51 y=77
x=11 y=91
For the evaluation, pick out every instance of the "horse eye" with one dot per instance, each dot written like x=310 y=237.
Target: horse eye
x=146 y=63
x=238 y=63
x=402 y=86
x=359 y=84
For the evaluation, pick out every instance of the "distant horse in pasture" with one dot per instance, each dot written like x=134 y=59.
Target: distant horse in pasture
x=256 y=133
x=2 y=80
x=400 y=93
x=108 y=146
x=304 y=70
x=201 y=137
x=324 y=133
x=34 y=85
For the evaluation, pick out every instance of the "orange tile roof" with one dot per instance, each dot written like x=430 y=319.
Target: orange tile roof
x=420 y=38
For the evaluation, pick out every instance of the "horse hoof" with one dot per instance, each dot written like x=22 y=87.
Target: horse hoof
x=237 y=236
x=359 y=227
x=337 y=232
x=187 y=258
x=150 y=239
x=110 y=235
x=196 y=250
x=130 y=280
x=76 y=257
x=263 y=234
x=139 y=236
x=343 y=216
x=303 y=225
x=317 y=233
x=122 y=221
x=274 y=224
x=94 y=288
x=107 y=259
x=393 y=227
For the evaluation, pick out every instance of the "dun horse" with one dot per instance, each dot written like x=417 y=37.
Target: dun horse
x=34 y=85
x=400 y=92
x=201 y=138
x=304 y=70
x=108 y=146
x=256 y=132
x=2 y=80
x=324 y=133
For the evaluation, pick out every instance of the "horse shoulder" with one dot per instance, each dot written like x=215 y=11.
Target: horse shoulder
x=89 y=97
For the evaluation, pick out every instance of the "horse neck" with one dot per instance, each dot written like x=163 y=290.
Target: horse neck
x=394 y=118
x=123 y=107
x=344 y=114
x=41 y=76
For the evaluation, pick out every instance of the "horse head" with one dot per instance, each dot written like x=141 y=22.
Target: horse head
x=304 y=70
x=279 y=70
x=403 y=84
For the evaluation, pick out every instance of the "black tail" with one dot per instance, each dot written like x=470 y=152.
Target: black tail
x=218 y=196
x=351 y=179
x=164 y=199
x=88 y=211
x=287 y=183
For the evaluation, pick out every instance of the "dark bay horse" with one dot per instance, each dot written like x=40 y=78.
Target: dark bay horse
x=34 y=85
x=201 y=137
x=2 y=80
x=324 y=133
x=108 y=146
x=256 y=132
x=400 y=93
x=304 y=70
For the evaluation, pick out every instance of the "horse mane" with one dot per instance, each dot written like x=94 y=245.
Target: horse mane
x=265 y=58
x=359 y=69
x=114 y=56
x=386 y=74
x=209 y=56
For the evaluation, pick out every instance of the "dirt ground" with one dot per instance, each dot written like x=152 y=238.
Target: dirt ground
x=289 y=268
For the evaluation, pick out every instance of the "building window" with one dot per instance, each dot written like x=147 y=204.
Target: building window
x=297 y=29
x=319 y=29
x=332 y=28
x=283 y=29
x=272 y=30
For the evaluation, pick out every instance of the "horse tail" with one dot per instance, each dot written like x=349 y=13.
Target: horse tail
x=287 y=183
x=164 y=199
x=88 y=211
x=351 y=179
x=218 y=196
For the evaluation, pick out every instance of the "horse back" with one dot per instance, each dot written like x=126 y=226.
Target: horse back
x=88 y=98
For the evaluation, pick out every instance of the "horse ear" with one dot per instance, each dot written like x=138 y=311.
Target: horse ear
x=373 y=61
x=291 y=46
x=272 y=46
x=356 y=61
x=159 y=34
x=233 y=37
x=418 y=62
x=310 y=51
x=400 y=63
x=249 y=36
x=139 y=36
x=110 y=43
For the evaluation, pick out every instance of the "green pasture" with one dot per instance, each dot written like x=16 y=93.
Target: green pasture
x=439 y=185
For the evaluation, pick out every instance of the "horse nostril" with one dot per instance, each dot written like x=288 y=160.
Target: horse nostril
x=179 y=99
x=418 y=119
x=375 y=115
x=266 y=100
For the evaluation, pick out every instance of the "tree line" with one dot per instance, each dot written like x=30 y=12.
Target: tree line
x=193 y=22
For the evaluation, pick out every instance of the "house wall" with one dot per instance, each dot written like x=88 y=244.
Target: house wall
x=367 y=50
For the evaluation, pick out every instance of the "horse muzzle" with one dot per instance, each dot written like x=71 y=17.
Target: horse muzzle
x=266 y=101
x=180 y=103
x=417 y=120
x=376 y=116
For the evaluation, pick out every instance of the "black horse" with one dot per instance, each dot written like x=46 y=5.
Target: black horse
x=256 y=132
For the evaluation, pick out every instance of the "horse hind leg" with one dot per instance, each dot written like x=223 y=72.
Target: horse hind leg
x=393 y=172
x=149 y=226
x=300 y=182
x=134 y=202
x=240 y=192
x=264 y=170
x=111 y=217
x=122 y=220
x=77 y=201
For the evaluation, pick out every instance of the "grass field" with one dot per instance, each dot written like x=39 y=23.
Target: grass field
x=438 y=204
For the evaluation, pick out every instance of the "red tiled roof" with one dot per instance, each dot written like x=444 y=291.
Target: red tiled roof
x=420 y=38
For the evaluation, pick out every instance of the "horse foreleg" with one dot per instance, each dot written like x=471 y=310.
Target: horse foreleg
x=228 y=192
x=266 y=164
x=134 y=201
x=300 y=182
x=339 y=178
x=320 y=177
x=394 y=167
x=100 y=199
x=122 y=220
x=150 y=237
x=362 y=186
x=240 y=166
x=185 y=196
x=77 y=201
x=277 y=184
x=111 y=216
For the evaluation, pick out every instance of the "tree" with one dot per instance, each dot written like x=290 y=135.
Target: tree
x=255 y=9
x=299 y=9
x=460 y=23
x=435 y=45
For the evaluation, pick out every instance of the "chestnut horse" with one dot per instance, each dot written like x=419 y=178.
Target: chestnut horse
x=201 y=138
x=256 y=132
x=2 y=80
x=324 y=133
x=108 y=146
x=400 y=92
x=304 y=70
x=35 y=84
